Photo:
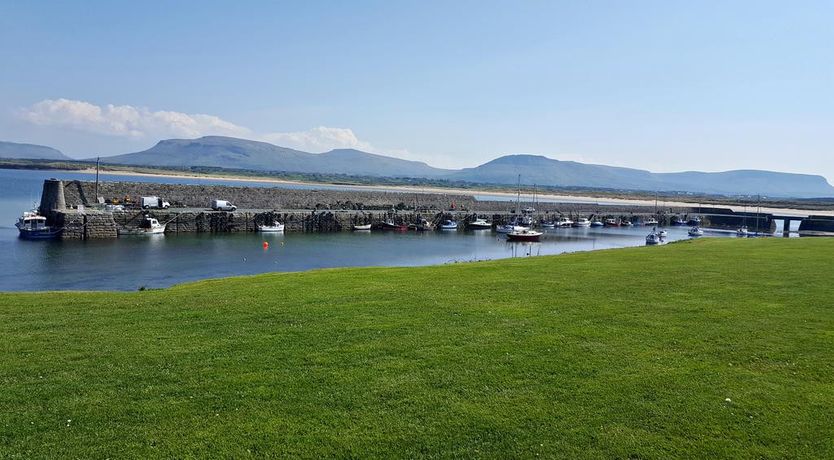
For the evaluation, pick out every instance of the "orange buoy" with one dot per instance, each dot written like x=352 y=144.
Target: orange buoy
x=266 y=245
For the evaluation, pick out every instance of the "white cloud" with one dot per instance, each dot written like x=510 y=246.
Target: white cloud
x=126 y=120
x=318 y=139
x=141 y=124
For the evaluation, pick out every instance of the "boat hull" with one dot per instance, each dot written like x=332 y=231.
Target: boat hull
x=514 y=237
x=39 y=234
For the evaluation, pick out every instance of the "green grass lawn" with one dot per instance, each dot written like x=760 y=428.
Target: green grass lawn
x=705 y=349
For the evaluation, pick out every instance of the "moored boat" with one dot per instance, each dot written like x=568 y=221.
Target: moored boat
x=548 y=224
x=390 y=225
x=479 y=224
x=32 y=226
x=276 y=227
x=696 y=231
x=524 y=235
x=362 y=228
x=655 y=238
x=611 y=222
x=424 y=226
x=582 y=222
x=742 y=231
x=650 y=222
x=564 y=222
x=448 y=225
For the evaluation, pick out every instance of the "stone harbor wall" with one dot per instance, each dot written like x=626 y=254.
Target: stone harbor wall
x=200 y=196
x=300 y=210
x=86 y=225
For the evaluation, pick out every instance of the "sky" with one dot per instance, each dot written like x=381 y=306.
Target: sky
x=658 y=85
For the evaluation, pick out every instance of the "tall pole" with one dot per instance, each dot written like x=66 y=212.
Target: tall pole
x=97 y=161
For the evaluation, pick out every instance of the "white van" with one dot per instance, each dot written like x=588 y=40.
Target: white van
x=153 y=202
x=222 y=205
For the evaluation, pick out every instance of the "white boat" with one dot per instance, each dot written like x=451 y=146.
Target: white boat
x=423 y=226
x=611 y=222
x=148 y=226
x=276 y=227
x=626 y=223
x=449 y=225
x=508 y=228
x=652 y=222
x=696 y=231
x=564 y=222
x=582 y=222
x=655 y=238
x=363 y=227
x=662 y=233
x=548 y=224
x=479 y=224
x=597 y=223
x=742 y=231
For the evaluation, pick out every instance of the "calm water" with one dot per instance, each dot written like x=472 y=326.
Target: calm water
x=162 y=260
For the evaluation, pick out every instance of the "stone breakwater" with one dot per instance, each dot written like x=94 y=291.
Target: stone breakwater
x=200 y=196
x=78 y=207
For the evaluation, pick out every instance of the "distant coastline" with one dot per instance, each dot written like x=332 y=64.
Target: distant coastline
x=585 y=196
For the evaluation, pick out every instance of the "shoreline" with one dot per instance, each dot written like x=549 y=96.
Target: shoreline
x=550 y=197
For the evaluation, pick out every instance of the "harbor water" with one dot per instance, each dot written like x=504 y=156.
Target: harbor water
x=130 y=263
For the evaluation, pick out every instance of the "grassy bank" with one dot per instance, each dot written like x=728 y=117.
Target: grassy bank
x=711 y=348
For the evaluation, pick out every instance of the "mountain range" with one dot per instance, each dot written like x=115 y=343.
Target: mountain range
x=30 y=152
x=233 y=153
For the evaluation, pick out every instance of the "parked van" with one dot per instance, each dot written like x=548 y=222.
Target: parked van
x=153 y=202
x=222 y=205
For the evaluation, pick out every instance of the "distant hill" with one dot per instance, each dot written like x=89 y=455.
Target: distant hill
x=30 y=152
x=242 y=154
x=233 y=153
x=536 y=169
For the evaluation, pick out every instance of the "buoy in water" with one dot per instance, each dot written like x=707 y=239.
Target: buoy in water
x=266 y=244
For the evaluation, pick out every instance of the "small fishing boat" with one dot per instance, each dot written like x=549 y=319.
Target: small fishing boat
x=696 y=231
x=148 y=226
x=655 y=238
x=597 y=223
x=449 y=225
x=390 y=225
x=32 y=226
x=548 y=224
x=612 y=222
x=626 y=223
x=742 y=231
x=694 y=221
x=650 y=222
x=677 y=220
x=424 y=226
x=663 y=233
x=362 y=228
x=276 y=227
x=582 y=222
x=564 y=222
x=524 y=235
x=479 y=224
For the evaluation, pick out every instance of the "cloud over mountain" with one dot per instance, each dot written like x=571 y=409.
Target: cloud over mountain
x=142 y=123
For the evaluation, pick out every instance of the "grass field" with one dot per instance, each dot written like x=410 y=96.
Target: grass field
x=706 y=349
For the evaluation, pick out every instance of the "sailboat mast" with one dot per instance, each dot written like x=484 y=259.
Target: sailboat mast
x=518 y=196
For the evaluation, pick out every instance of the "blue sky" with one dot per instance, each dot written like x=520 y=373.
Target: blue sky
x=665 y=85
